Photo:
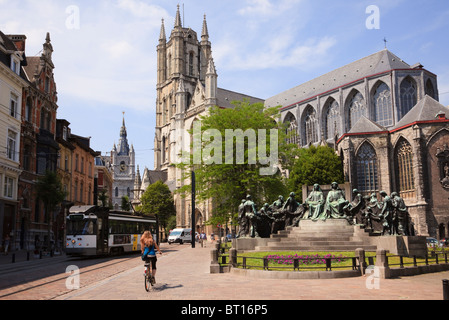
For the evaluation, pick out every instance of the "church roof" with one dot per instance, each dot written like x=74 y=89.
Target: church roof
x=376 y=63
x=426 y=109
x=365 y=125
x=225 y=97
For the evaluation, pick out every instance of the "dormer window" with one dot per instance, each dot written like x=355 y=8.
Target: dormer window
x=15 y=65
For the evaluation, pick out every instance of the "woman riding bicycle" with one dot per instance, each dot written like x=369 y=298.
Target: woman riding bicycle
x=148 y=247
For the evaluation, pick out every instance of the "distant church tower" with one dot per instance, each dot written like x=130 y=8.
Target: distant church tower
x=123 y=169
x=186 y=88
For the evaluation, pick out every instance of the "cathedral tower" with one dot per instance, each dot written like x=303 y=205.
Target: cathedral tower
x=186 y=88
x=123 y=169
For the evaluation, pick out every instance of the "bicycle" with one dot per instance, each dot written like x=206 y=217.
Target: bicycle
x=149 y=279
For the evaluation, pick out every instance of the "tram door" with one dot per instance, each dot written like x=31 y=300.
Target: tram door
x=102 y=234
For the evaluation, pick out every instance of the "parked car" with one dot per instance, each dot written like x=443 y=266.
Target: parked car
x=444 y=242
x=431 y=242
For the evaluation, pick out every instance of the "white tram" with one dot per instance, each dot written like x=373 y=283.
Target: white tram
x=92 y=230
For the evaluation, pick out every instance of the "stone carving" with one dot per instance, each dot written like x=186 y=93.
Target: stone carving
x=387 y=216
x=443 y=165
x=335 y=203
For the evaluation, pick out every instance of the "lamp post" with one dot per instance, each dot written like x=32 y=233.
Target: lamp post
x=193 y=209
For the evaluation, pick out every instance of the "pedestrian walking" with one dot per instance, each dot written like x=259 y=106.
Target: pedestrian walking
x=6 y=244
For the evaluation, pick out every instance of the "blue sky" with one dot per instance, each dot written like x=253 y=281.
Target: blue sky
x=105 y=50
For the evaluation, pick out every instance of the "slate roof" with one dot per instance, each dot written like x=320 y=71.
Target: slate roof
x=378 y=62
x=426 y=109
x=225 y=97
x=364 y=125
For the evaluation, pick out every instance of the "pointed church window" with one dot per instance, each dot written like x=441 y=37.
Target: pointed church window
x=404 y=169
x=310 y=126
x=292 y=129
x=332 y=119
x=383 y=112
x=366 y=169
x=357 y=109
x=408 y=96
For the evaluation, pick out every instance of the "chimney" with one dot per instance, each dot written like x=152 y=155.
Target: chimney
x=19 y=41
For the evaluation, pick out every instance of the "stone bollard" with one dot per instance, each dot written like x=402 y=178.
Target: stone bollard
x=233 y=257
x=214 y=266
x=382 y=264
x=360 y=254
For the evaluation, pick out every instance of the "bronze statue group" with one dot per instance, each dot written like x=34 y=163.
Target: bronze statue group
x=388 y=216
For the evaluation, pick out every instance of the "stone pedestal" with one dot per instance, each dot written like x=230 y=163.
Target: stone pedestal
x=407 y=246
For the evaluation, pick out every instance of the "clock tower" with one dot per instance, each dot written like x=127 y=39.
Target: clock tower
x=123 y=169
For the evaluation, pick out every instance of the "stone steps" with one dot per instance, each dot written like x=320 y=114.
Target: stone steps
x=330 y=235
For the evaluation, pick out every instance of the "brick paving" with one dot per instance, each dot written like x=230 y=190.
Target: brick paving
x=184 y=275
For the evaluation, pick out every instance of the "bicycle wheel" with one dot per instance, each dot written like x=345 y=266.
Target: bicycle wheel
x=148 y=285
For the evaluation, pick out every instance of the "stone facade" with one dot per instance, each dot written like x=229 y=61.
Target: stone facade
x=186 y=89
x=382 y=117
x=122 y=165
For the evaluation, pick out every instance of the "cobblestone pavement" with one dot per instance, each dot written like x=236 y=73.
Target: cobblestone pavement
x=184 y=275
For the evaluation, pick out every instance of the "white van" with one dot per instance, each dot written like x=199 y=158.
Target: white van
x=180 y=235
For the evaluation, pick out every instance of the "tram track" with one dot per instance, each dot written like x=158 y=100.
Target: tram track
x=99 y=271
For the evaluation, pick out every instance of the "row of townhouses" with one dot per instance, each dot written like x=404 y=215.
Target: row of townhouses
x=33 y=141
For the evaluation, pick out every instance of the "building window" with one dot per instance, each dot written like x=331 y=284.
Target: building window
x=383 y=112
x=66 y=163
x=191 y=64
x=429 y=89
x=28 y=110
x=15 y=65
x=291 y=131
x=408 y=96
x=366 y=166
x=12 y=145
x=404 y=162
x=13 y=105
x=47 y=85
x=26 y=158
x=75 y=189
x=357 y=109
x=116 y=192
x=332 y=119
x=8 y=187
x=310 y=126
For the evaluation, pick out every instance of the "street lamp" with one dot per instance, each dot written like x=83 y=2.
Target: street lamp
x=193 y=209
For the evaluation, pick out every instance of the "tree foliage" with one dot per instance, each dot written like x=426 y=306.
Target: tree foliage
x=158 y=199
x=225 y=182
x=315 y=165
x=50 y=191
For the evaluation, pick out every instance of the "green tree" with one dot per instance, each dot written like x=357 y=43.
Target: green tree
x=103 y=197
x=315 y=165
x=50 y=192
x=158 y=199
x=126 y=204
x=228 y=182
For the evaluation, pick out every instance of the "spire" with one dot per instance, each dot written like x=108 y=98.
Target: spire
x=162 y=35
x=205 y=32
x=178 y=22
x=211 y=67
x=123 y=147
x=48 y=49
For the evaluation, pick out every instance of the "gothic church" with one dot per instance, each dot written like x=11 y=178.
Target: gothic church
x=186 y=89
